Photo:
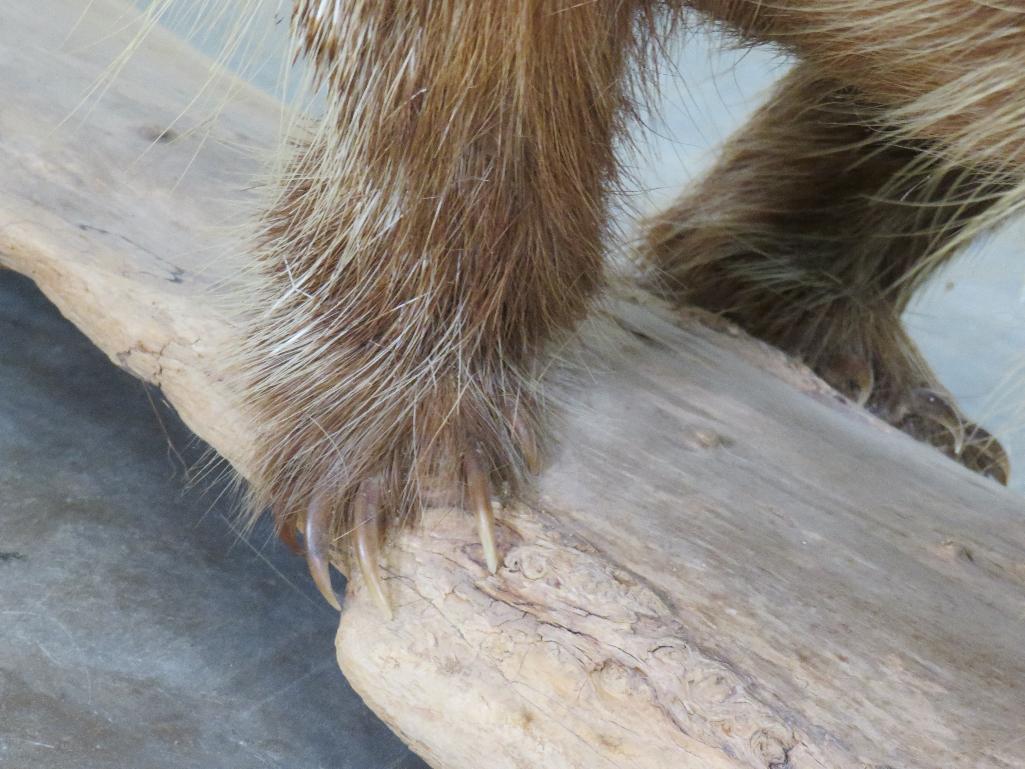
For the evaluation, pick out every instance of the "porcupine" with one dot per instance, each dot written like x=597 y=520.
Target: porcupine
x=447 y=225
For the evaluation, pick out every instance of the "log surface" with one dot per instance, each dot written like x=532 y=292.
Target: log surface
x=725 y=565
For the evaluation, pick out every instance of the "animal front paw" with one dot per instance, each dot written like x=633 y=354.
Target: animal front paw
x=355 y=486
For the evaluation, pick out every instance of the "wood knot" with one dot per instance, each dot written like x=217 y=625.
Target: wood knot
x=529 y=562
x=613 y=680
x=712 y=689
x=702 y=438
x=957 y=551
x=772 y=745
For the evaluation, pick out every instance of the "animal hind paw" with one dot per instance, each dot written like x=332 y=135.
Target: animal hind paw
x=933 y=417
x=898 y=391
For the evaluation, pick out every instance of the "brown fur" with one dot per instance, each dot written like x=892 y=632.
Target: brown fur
x=445 y=225
x=945 y=69
x=814 y=230
x=873 y=164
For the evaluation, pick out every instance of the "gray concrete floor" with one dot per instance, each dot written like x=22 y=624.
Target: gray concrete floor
x=137 y=631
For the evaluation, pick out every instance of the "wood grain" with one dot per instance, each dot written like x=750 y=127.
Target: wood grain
x=725 y=565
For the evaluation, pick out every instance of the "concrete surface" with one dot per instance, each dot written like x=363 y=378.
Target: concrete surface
x=137 y=631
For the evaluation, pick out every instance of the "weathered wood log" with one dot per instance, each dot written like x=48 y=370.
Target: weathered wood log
x=725 y=566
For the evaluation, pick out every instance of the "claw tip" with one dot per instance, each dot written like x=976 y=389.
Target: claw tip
x=491 y=557
x=321 y=574
x=317 y=534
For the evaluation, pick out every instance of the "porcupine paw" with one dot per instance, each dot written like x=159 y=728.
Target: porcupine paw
x=897 y=386
x=454 y=455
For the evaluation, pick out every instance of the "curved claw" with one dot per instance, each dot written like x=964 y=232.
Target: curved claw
x=317 y=533
x=850 y=375
x=366 y=510
x=935 y=407
x=984 y=454
x=531 y=454
x=479 y=490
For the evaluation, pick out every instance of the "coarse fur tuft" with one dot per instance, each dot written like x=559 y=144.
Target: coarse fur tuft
x=441 y=228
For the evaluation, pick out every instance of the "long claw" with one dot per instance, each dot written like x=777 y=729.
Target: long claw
x=317 y=534
x=531 y=454
x=478 y=487
x=366 y=511
x=937 y=408
x=984 y=454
